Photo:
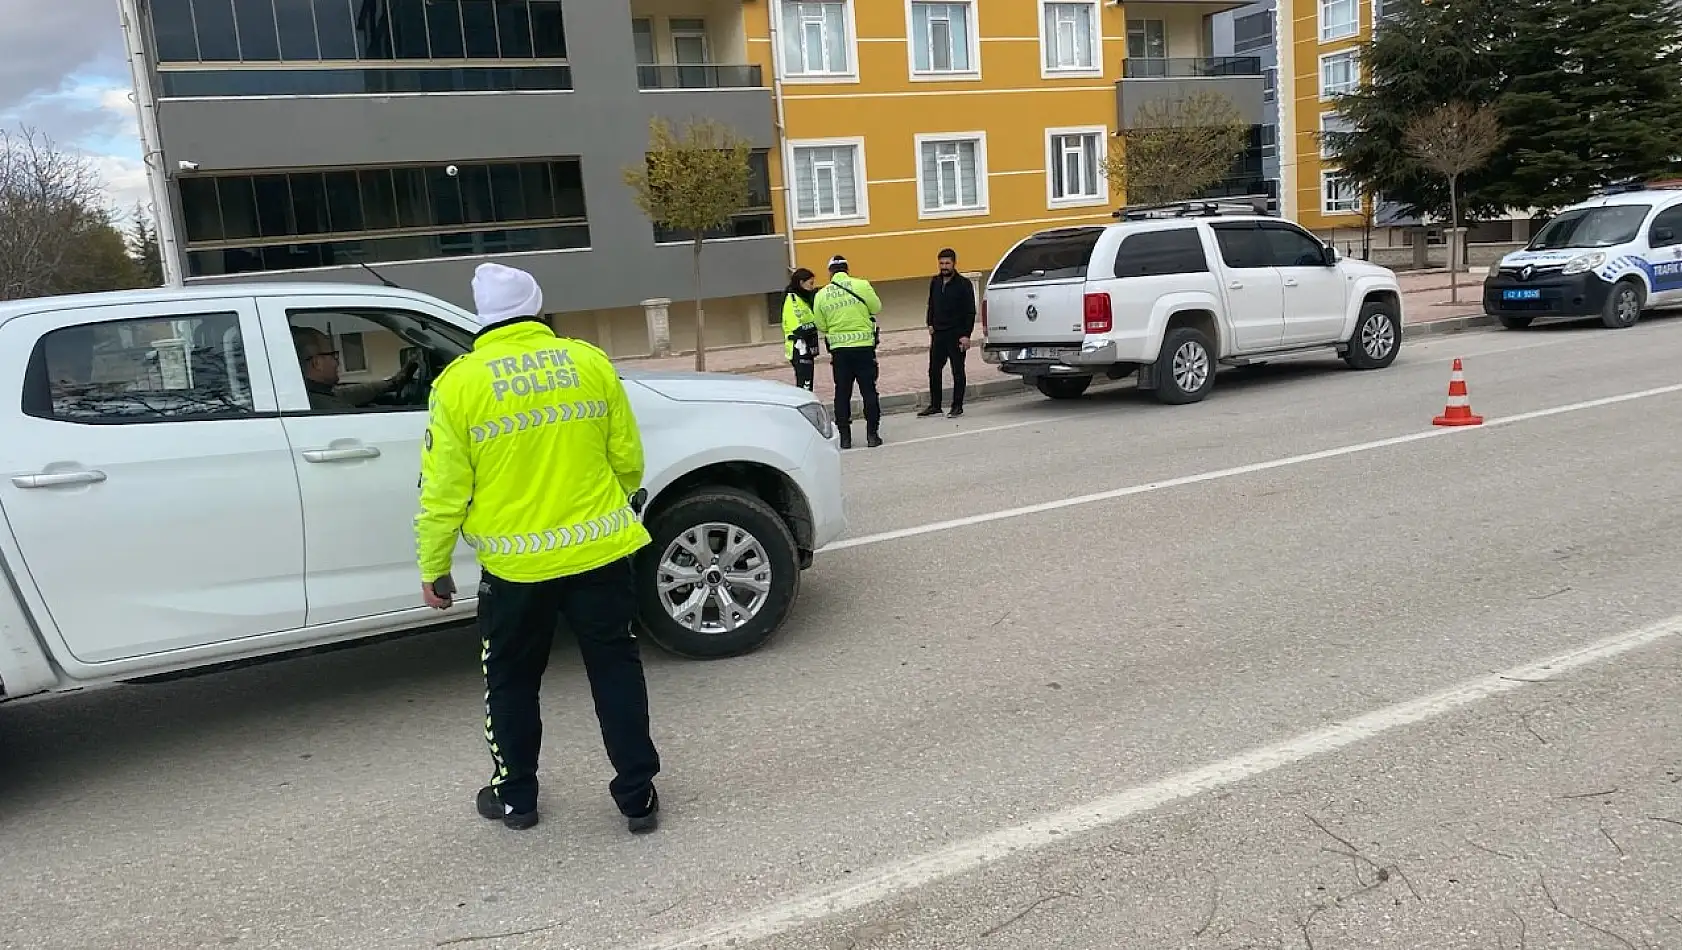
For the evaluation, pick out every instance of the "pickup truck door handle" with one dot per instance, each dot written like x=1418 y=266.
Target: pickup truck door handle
x=341 y=455
x=55 y=479
x=1290 y=282
x=1236 y=285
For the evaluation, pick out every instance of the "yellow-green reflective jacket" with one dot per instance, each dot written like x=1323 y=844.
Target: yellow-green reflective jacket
x=531 y=453
x=846 y=320
x=795 y=315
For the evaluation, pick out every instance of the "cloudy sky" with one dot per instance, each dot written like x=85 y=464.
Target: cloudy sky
x=62 y=72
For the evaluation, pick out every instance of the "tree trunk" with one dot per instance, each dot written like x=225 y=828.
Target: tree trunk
x=1453 y=239
x=700 y=316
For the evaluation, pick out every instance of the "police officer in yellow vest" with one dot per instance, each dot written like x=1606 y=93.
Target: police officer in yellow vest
x=846 y=310
x=532 y=455
x=800 y=327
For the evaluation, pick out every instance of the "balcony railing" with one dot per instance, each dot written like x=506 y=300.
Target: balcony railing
x=697 y=76
x=1188 y=67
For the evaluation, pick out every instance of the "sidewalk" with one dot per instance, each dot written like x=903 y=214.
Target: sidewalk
x=903 y=354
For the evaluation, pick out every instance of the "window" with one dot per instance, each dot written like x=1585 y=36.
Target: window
x=1154 y=253
x=1074 y=167
x=1252 y=32
x=952 y=174
x=829 y=182
x=353 y=356
x=642 y=41
x=289 y=220
x=1069 y=37
x=1331 y=126
x=267 y=31
x=943 y=39
x=689 y=41
x=755 y=220
x=400 y=352
x=1270 y=84
x=1290 y=247
x=1241 y=245
x=1668 y=220
x=817 y=39
x=1147 y=39
x=1605 y=226
x=1049 y=255
x=1337 y=195
x=1339 y=74
x=1339 y=19
x=152 y=369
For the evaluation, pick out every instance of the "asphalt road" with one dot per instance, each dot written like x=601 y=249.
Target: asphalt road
x=1289 y=668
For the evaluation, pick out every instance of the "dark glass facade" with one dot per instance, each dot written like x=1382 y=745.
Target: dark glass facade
x=753 y=221
x=292 y=219
x=291 y=81
x=270 y=31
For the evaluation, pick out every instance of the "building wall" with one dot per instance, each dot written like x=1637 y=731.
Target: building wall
x=1222 y=30
x=1010 y=102
x=1301 y=51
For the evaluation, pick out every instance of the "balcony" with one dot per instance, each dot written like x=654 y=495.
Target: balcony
x=697 y=76
x=1149 y=80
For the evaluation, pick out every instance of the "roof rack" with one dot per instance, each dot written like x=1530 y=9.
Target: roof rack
x=1628 y=185
x=1196 y=208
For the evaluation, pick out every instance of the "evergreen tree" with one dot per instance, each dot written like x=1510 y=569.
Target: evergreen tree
x=1423 y=55
x=143 y=247
x=1594 y=96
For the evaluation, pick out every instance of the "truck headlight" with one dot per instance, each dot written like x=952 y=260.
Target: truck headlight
x=1583 y=262
x=818 y=416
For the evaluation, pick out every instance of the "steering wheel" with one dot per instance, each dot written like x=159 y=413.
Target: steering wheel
x=413 y=391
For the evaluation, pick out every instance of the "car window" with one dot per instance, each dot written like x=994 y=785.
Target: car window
x=1288 y=247
x=1670 y=220
x=1604 y=226
x=171 y=368
x=1241 y=245
x=370 y=359
x=1054 y=255
x=1150 y=253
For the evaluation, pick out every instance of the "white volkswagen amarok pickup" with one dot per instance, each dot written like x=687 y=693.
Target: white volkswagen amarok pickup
x=1170 y=292
x=1611 y=257
x=168 y=499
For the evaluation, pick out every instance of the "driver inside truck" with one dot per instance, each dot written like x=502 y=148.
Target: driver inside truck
x=320 y=363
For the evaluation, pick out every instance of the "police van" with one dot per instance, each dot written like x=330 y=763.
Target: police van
x=1611 y=257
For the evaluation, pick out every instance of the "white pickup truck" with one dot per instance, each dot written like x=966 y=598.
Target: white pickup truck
x=169 y=500
x=1171 y=292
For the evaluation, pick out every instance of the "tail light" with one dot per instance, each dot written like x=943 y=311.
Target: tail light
x=1098 y=318
x=983 y=316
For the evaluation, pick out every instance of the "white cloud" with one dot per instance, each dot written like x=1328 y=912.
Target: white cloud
x=125 y=183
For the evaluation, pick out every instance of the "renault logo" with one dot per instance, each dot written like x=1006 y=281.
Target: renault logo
x=1526 y=272
x=1033 y=312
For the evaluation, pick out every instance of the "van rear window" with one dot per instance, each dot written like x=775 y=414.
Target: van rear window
x=1054 y=255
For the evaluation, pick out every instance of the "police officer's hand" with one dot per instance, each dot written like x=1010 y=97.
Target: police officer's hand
x=440 y=593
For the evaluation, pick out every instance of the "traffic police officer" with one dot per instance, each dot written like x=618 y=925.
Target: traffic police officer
x=532 y=454
x=800 y=328
x=846 y=310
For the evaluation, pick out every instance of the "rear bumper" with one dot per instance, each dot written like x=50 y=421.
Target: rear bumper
x=1086 y=359
x=1580 y=295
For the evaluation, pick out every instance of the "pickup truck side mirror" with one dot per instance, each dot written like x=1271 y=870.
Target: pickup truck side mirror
x=1331 y=256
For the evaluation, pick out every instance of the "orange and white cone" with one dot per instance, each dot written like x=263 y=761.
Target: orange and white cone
x=1458 y=412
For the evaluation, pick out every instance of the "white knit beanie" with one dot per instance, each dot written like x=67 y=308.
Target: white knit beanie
x=504 y=293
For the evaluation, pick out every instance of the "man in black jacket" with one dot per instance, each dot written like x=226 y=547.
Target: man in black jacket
x=951 y=321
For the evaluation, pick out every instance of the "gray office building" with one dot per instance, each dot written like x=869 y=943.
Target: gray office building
x=1251 y=33
x=305 y=138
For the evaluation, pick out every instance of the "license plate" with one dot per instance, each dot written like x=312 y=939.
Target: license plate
x=1521 y=295
x=1035 y=353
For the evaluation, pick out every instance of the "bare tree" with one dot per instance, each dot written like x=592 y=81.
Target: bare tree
x=1176 y=148
x=693 y=183
x=50 y=204
x=1452 y=140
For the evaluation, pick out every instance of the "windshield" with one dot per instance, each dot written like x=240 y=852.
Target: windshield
x=1591 y=227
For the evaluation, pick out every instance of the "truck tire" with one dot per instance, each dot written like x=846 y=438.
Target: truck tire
x=1185 y=367
x=1376 y=340
x=1062 y=387
x=1514 y=323
x=711 y=606
x=1623 y=305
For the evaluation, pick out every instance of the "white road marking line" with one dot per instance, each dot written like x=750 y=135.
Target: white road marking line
x=1251 y=469
x=893 y=879
x=1429 y=361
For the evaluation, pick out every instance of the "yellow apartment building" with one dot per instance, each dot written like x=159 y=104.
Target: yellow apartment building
x=1319 y=59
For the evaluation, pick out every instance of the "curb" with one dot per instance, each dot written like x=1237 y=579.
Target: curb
x=1460 y=324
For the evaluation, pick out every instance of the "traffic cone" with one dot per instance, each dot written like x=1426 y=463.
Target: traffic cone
x=1458 y=412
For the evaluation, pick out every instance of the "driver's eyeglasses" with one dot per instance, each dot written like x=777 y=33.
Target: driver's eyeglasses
x=333 y=353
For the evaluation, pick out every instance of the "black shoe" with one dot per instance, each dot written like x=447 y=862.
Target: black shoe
x=872 y=439
x=649 y=820
x=846 y=437
x=956 y=412
x=929 y=411
x=490 y=807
